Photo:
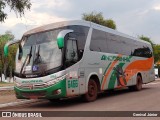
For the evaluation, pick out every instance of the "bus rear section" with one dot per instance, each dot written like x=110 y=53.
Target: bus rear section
x=114 y=60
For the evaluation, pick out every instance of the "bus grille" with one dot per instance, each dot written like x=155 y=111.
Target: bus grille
x=37 y=94
x=33 y=86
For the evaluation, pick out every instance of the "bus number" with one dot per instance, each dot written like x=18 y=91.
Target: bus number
x=72 y=83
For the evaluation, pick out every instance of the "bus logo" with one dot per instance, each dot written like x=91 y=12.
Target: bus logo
x=35 y=68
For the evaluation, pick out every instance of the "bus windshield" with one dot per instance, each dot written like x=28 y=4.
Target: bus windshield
x=40 y=53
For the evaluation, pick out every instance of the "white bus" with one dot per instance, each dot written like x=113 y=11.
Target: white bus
x=75 y=58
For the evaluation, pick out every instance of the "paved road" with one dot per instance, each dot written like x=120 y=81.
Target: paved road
x=148 y=99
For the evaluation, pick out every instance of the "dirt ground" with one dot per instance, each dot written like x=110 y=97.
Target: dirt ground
x=7 y=96
x=3 y=84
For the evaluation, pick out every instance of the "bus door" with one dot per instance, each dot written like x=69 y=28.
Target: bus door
x=71 y=58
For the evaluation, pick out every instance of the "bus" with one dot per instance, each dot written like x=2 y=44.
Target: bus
x=79 y=58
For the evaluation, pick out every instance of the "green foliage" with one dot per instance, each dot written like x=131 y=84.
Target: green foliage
x=18 y=6
x=147 y=39
x=157 y=53
x=7 y=63
x=99 y=19
x=156 y=48
x=2 y=14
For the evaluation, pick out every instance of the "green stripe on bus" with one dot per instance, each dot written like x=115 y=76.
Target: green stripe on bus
x=113 y=78
x=105 y=72
x=49 y=91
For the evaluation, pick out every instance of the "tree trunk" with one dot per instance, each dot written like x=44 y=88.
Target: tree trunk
x=5 y=69
x=10 y=75
x=1 y=74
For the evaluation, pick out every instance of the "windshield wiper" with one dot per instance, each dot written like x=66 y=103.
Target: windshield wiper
x=38 y=58
x=24 y=64
x=30 y=55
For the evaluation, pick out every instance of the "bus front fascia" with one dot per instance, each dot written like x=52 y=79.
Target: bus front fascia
x=6 y=47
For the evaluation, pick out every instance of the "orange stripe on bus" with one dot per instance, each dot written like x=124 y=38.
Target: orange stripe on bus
x=108 y=72
x=139 y=65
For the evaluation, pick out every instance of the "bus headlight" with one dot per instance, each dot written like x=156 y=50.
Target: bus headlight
x=52 y=82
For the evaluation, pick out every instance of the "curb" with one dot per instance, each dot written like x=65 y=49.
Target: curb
x=7 y=88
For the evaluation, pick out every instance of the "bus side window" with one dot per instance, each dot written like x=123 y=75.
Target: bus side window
x=98 y=41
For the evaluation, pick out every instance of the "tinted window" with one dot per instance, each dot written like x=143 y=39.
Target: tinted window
x=81 y=33
x=98 y=41
x=142 y=50
x=126 y=46
x=112 y=43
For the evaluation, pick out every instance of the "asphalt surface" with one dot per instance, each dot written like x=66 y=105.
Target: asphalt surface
x=148 y=99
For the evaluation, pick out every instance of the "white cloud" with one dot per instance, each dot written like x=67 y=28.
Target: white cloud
x=132 y=17
x=31 y=19
x=156 y=7
x=41 y=18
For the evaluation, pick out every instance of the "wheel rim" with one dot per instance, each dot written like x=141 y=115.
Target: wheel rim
x=91 y=90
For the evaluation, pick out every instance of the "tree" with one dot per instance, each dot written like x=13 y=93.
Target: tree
x=99 y=19
x=2 y=43
x=18 y=6
x=7 y=64
x=157 y=53
x=147 y=39
x=156 y=48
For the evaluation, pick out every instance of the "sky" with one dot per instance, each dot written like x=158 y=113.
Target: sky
x=132 y=17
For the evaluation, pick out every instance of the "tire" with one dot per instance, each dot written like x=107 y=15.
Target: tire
x=138 y=85
x=91 y=95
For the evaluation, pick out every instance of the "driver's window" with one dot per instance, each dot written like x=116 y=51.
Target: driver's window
x=71 y=52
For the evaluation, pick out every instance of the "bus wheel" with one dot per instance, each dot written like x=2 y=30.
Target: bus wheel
x=91 y=95
x=138 y=86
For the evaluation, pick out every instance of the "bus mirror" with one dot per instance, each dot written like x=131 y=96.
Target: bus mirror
x=8 y=44
x=60 y=37
x=60 y=42
x=6 y=50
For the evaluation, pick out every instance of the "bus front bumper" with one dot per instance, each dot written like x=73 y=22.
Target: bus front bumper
x=52 y=92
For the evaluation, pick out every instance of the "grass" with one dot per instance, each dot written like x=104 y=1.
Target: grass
x=4 y=84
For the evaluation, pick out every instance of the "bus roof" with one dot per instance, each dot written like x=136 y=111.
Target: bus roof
x=80 y=22
x=57 y=25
